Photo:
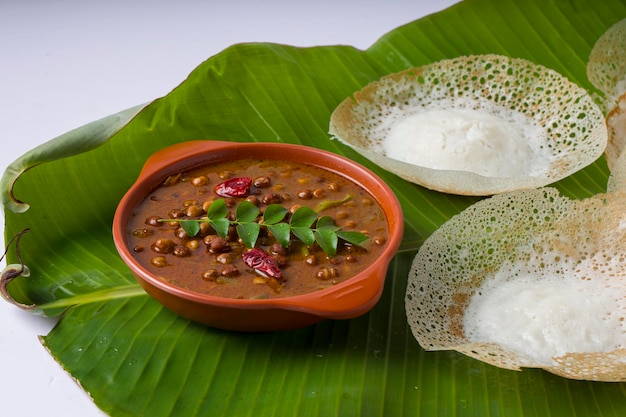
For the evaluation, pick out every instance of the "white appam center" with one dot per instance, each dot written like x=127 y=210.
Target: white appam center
x=474 y=140
x=544 y=311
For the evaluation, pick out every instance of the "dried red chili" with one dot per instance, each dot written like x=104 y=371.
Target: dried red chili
x=263 y=263
x=234 y=187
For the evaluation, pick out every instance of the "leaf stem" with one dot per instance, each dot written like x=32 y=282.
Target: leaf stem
x=305 y=224
x=13 y=271
x=126 y=291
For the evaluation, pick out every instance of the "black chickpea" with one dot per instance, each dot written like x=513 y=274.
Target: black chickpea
x=200 y=181
x=194 y=211
x=163 y=246
x=176 y=213
x=224 y=175
x=271 y=198
x=305 y=194
x=210 y=275
x=180 y=234
x=262 y=182
x=193 y=244
x=143 y=233
x=224 y=258
x=351 y=258
x=311 y=260
x=333 y=186
x=205 y=229
x=325 y=274
x=379 y=240
x=159 y=261
x=278 y=249
x=336 y=260
x=217 y=245
x=181 y=251
x=154 y=221
x=229 y=271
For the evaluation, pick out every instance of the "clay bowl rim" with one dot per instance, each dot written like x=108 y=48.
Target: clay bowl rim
x=187 y=155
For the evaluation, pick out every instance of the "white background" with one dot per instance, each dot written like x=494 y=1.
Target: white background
x=67 y=63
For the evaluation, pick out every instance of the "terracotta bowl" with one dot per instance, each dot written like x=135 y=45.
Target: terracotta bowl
x=346 y=300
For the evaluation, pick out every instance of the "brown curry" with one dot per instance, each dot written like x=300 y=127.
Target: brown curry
x=208 y=263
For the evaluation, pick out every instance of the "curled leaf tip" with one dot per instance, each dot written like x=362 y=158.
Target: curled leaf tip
x=9 y=200
x=74 y=142
x=13 y=271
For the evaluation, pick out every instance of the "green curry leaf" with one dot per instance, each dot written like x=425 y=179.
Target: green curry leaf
x=305 y=234
x=220 y=225
x=326 y=223
x=134 y=357
x=191 y=228
x=217 y=209
x=327 y=239
x=351 y=237
x=274 y=213
x=216 y=216
x=249 y=232
x=303 y=218
x=246 y=212
x=281 y=232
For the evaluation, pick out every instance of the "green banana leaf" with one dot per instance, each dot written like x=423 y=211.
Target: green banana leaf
x=135 y=358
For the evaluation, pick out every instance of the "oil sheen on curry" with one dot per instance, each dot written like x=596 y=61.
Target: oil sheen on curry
x=225 y=266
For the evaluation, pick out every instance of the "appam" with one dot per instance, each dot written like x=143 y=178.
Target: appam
x=527 y=279
x=606 y=66
x=440 y=125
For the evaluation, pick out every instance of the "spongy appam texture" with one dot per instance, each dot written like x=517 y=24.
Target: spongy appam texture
x=616 y=125
x=515 y=227
x=606 y=66
x=574 y=124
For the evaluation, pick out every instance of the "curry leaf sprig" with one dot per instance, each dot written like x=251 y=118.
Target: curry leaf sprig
x=305 y=224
